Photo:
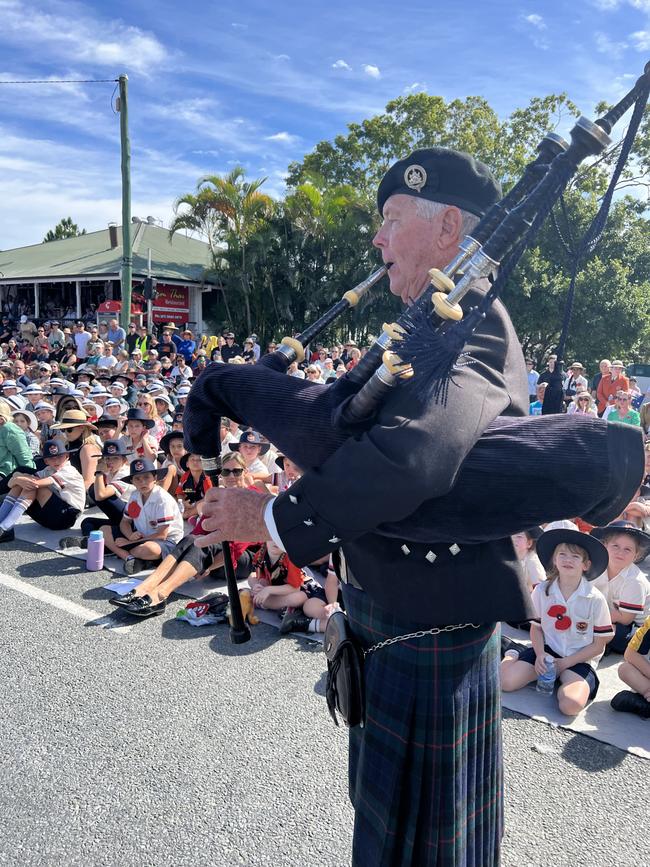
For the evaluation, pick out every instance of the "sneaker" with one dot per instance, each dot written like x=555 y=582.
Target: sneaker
x=7 y=535
x=73 y=542
x=133 y=565
x=631 y=702
x=122 y=601
x=295 y=621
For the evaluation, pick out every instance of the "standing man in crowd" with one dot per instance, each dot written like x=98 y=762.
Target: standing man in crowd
x=81 y=338
x=56 y=336
x=116 y=335
x=131 y=338
x=533 y=376
x=425 y=773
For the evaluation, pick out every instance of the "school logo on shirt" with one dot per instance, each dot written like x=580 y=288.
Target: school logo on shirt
x=582 y=626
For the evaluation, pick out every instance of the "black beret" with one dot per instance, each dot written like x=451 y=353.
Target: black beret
x=442 y=175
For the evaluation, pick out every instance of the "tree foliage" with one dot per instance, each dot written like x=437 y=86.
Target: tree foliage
x=65 y=228
x=282 y=264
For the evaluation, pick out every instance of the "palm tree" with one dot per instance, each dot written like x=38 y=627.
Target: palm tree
x=228 y=211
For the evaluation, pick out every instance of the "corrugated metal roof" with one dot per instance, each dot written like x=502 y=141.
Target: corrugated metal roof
x=184 y=259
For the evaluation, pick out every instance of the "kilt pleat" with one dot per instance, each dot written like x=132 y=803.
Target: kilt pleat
x=425 y=773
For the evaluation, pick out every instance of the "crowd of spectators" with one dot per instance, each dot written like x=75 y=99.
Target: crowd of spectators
x=91 y=438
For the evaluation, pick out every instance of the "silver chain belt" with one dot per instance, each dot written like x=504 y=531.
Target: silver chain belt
x=437 y=630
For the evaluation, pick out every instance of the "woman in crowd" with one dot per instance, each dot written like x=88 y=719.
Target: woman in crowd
x=583 y=404
x=573 y=624
x=15 y=453
x=82 y=443
x=148 y=406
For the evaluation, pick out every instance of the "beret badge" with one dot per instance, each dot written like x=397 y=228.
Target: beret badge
x=415 y=177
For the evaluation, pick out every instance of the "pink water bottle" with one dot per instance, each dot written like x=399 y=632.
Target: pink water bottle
x=95 y=556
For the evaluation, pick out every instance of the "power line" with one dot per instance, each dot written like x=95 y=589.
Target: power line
x=62 y=81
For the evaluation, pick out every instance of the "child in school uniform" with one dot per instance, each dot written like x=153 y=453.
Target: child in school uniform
x=635 y=672
x=525 y=544
x=572 y=624
x=54 y=497
x=622 y=583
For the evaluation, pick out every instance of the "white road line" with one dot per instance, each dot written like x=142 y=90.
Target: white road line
x=89 y=616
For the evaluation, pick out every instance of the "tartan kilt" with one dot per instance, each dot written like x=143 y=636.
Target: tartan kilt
x=425 y=773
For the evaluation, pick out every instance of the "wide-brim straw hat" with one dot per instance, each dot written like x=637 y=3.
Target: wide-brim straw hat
x=73 y=418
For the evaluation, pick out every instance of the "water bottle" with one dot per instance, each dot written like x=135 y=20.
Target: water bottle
x=546 y=681
x=95 y=555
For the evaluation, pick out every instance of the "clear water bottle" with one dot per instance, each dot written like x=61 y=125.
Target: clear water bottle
x=95 y=555
x=546 y=681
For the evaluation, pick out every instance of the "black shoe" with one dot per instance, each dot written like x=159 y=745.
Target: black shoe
x=7 y=535
x=134 y=564
x=631 y=702
x=142 y=607
x=508 y=644
x=295 y=621
x=122 y=601
x=73 y=542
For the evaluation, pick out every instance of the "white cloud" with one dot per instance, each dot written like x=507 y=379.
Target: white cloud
x=372 y=71
x=643 y=5
x=281 y=57
x=606 y=5
x=641 y=40
x=284 y=137
x=341 y=64
x=536 y=21
x=415 y=87
x=605 y=45
x=80 y=38
x=237 y=26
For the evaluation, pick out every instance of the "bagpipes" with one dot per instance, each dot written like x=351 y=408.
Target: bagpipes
x=592 y=468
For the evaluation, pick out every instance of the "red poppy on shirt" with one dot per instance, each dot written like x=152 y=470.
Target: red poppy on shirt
x=562 y=622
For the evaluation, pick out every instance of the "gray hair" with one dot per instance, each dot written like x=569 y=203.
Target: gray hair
x=429 y=210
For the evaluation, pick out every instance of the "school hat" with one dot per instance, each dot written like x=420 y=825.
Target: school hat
x=107 y=421
x=115 y=447
x=29 y=415
x=596 y=551
x=184 y=459
x=253 y=438
x=43 y=404
x=34 y=388
x=166 y=440
x=177 y=418
x=73 y=418
x=11 y=383
x=441 y=175
x=143 y=465
x=54 y=448
x=136 y=414
x=630 y=529
x=99 y=391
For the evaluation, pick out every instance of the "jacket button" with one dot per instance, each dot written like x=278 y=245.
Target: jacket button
x=454 y=549
x=334 y=540
x=430 y=556
x=406 y=550
x=293 y=499
x=308 y=522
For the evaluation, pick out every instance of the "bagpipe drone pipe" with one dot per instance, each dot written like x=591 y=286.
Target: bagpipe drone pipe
x=573 y=466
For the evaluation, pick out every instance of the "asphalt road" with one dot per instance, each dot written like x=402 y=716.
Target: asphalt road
x=162 y=744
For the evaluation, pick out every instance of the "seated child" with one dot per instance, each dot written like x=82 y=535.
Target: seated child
x=54 y=497
x=572 y=624
x=321 y=600
x=192 y=485
x=110 y=492
x=152 y=523
x=525 y=544
x=623 y=584
x=635 y=672
x=277 y=582
x=28 y=423
x=138 y=438
x=173 y=448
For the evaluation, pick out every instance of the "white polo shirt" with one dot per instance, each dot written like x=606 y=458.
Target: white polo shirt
x=122 y=488
x=571 y=624
x=160 y=510
x=68 y=484
x=629 y=591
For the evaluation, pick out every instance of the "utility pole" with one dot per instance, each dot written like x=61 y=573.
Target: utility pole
x=126 y=276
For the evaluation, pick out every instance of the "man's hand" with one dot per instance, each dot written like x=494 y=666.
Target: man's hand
x=233 y=514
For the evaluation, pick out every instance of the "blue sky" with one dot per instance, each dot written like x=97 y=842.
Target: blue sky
x=213 y=84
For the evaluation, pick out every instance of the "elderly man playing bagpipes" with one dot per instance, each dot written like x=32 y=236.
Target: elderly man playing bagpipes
x=434 y=480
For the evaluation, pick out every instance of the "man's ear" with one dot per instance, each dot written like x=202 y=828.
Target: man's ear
x=451 y=227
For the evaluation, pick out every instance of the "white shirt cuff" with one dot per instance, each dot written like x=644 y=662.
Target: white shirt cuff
x=269 y=520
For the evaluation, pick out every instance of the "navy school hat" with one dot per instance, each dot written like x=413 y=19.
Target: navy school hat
x=144 y=465
x=253 y=438
x=54 y=448
x=137 y=414
x=630 y=529
x=115 y=447
x=172 y=435
x=596 y=551
x=441 y=175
